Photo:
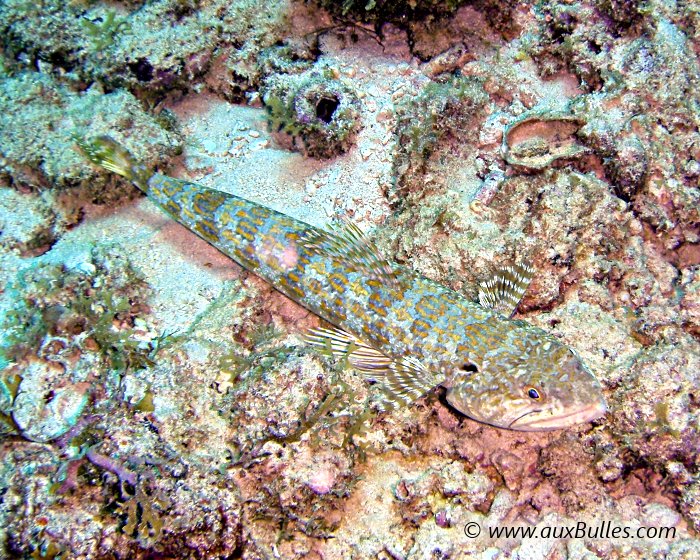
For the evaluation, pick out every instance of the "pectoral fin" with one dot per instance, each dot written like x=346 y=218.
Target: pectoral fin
x=406 y=381
x=402 y=380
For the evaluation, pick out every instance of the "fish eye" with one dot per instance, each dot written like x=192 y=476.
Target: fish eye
x=533 y=393
x=469 y=367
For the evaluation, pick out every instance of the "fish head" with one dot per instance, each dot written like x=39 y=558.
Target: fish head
x=529 y=381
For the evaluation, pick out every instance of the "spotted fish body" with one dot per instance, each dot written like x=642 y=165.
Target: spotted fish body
x=397 y=327
x=408 y=316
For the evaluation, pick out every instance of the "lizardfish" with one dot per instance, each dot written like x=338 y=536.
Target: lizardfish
x=400 y=329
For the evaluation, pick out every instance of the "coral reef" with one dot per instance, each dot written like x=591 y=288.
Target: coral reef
x=158 y=401
x=651 y=72
x=133 y=45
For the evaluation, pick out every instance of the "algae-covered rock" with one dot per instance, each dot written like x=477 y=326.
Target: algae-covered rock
x=267 y=382
x=28 y=223
x=46 y=406
x=690 y=302
x=38 y=117
x=314 y=112
x=70 y=323
x=146 y=47
x=657 y=417
x=444 y=111
x=642 y=107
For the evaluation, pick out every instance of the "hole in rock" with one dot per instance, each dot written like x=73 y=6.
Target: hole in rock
x=325 y=108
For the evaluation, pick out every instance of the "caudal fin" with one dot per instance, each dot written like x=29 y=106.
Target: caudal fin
x=105 y=152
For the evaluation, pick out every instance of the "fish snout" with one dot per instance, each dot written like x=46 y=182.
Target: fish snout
x=537 y=420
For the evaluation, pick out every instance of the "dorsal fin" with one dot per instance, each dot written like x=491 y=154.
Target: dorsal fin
x=402 y=381
x=346 y=242
x=504 y=290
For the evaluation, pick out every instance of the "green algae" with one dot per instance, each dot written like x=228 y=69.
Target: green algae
x=48 y=550
x=143 y=513
x=103 y=34
x=146 y=403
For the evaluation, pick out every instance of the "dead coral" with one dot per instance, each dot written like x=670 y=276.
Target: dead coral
x=254 y=45
x=571 y=482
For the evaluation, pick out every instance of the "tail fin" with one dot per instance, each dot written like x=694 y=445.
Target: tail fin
x=105 y=152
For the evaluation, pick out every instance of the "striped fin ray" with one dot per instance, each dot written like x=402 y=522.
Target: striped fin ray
x=504 y=290
x=406 y=381
x=342 y=345
x=347 y=242
x=402 y=381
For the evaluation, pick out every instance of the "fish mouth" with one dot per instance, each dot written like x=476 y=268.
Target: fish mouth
x=533 y=421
